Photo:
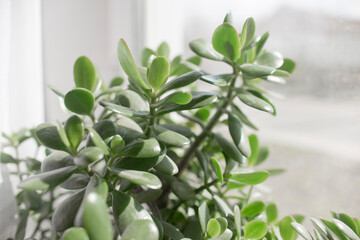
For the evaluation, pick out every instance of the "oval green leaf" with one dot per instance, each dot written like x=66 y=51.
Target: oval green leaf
x=84 y=73
x=256 y=71
x=301 y=230
x=158 y=73
x=204 y=49
x=123 y=110
x=77 y=233
x=226 y=41
x=49 y=136
x=167 y=166
x=74 y=129
x=255 y=102
x=182 y=189
x=248 y=32
x=80 y=101
x=253 y=209
x=217 y=169
x=229 y=148
x=140 y=178
x=238 y=134
x=256 y=230
x=203 y=213
x=213 y=228
x=271 y=212
x=180 y=81
x=286 y=230
x=170 y=137
x=271 y=59
x=98 y=141
x=250 y=178
x=142 y=149
x=141 y=229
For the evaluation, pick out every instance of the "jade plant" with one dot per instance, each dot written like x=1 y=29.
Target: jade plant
x=160 y=158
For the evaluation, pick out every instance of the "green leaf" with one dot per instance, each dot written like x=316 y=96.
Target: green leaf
x=203 y=114
x=256 y=71
x=127 y=210
x=247 y=33
x=348 y=221
x=96 y=219
x=142 y=149
x=132 y=100
x=203 y=213
x=256 y=230
x=217 y=169
x=62 y=134
x=97 y=140
x=263 y=154
x=115 y=82
x=320 y=227
x=223 y=206
x=167 y=166
x=180 y=81
x=253 y=101
x=213 y=228
x=80 y=101
x=77 y=233
x=21 y=227
x=301 y=230
x=229 y=149
x=74 y=129
x=49 y=136
x=171 y=232
x=6 y=158
x=146 y=53
x=228 y=18
x=261 y=96
x=237 y=218
x=225 y=236
x=253 y=209
x=204 y=49
x=288 y=65
x=140 y=178
x=158 y=73
x=170 y=137
x=223 y=224
x=75 y=181
x=255 y=149
x=199 y=99
x=117 y=144
x=56 y=160
x=345 y=229
x=64 y=215
x=271 y=212
x=32 y=200
x=220 y=80
x=260 y=44
x=141 y=229
x=238 y=134
x=226 y=41
x=180 y=98
x=182 y=190
x=286 y=230
x=128 y=64
x=334 y=229
x=128 y=123
x=47 y=180
x=271 y=59
x=89 y=155
x=123 y=110
x=164 y=50
x=250 y=178
x=84 y=74
x=243 y=118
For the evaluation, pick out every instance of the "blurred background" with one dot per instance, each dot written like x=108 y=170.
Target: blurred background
x=316 y=135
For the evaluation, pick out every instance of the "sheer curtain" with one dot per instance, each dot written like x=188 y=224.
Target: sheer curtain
x=21 y=85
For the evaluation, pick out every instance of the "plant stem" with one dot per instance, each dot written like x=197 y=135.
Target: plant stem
x=152 y=118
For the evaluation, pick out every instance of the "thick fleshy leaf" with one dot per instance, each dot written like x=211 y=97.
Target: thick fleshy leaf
x=140 y=178
x=228 y=18
x=148 y=195
x=64 y=215
x=141 y=229
x=123 y=110
x=345 y=229
x=146 y=53
x=256 y=230
x=171 y=232
x=229 y=149
x=271 y=212
x=63 y=135
x=128 y=123
x=255 y=71
x=158 y=73
x=6 y=158
x=322 y=230
x=260 y=44
x=170 y=137
x=164 y=50
x=247 y=33
x=255 y=102
x=75 y=181
x=217 y=169
x=32 y=200
x=167 y=166
x=77 y=233
x=225 y=236
x=98 y=141
x=21 y=227
x=271 y=59
x=74 y=129
x=132 y=100
x=262 y=97
x=89 y=155
x=182 y=189
x=243 y=118
x=192 y=229
x=203 y=213
x=127 y=210
x=223 y=224
x=84 y=74
x=96 y=218
x=80 y=101
x=47 y=180
x=286 y=230
x=255 y=149
x=49 y=136
x=117 y=144
x=223 y=206
x=237 y=218
x=105 y=128
x=204 y=49
x=348 y=221
x=330 y=225
x=218 y=80
x=128 y=64
x=253 y=209
x=226 y=41
x=56 y=160
x=301 y=230
x=142 y=149
x=238 y=134
x=180 y=98
x=250 y=178
x=199 y=99
x=213 y=228
x=288 y=65
x=181 y=81
x=116 y=81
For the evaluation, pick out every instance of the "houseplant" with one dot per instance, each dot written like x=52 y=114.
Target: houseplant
x=146 y=161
